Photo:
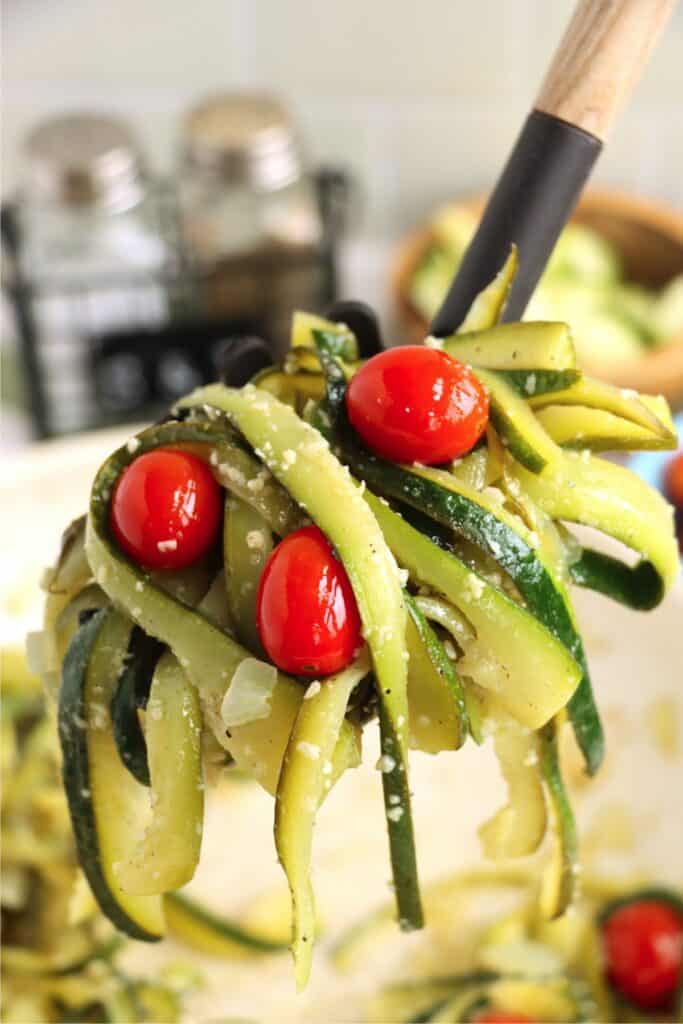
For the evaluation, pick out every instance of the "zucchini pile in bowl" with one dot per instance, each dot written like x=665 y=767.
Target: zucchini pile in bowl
x=493 y=959
x=461 y=576
x=615 y=320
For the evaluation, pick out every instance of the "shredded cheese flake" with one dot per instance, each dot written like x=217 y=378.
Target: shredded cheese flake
x=256 y=540
x=309 y=750
x=432 y=342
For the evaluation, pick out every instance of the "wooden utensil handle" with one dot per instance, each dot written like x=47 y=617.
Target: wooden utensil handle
x=599 y=60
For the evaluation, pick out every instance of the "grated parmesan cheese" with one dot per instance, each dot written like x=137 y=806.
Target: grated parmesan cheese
x=236 y=476
x=494 y=495
x=255 y=539
x=309 y=750
x=432 y=342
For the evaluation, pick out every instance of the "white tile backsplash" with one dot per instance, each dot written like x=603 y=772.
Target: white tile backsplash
x=421 y=101
x=383 y=47
x=443 y=148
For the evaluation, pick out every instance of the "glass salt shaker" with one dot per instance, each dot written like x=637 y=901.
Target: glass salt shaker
x=92 y=253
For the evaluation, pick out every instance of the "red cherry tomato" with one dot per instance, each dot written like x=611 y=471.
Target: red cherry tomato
x=306 y=611
x=501 y=1017
x=673 y=480
x=643 y=944
x=417 y=404
x=166 y=509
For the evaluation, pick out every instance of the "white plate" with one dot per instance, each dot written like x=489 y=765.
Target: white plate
x=635 y=660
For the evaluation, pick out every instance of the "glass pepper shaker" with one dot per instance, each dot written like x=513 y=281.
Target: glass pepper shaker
x=249 y=212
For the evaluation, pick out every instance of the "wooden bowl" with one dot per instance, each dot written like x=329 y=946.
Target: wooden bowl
x=649 y=237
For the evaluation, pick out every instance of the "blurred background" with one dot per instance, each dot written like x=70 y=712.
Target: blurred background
x=386 y=113
x=419 y=102
x=176 y=179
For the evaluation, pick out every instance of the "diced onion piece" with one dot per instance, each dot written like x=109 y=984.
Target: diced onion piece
x=249 y=694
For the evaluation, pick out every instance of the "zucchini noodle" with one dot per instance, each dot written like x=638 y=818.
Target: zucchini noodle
x=61 y=958
x=462 y=579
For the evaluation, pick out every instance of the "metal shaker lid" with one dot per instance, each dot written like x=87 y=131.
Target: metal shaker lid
x=84 y=160
x=242 y=138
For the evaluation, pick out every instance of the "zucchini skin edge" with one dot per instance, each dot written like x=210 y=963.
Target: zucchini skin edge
x=74 y=744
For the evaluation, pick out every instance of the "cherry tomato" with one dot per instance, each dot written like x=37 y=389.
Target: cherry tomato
x=643 y=944
x=417 y=404
x=166 y=509
x=501 y=1017
x=673 y=480
x=306 y=611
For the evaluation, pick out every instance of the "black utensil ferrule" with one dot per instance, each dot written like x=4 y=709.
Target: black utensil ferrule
x=360 y=319
x=529 y=206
